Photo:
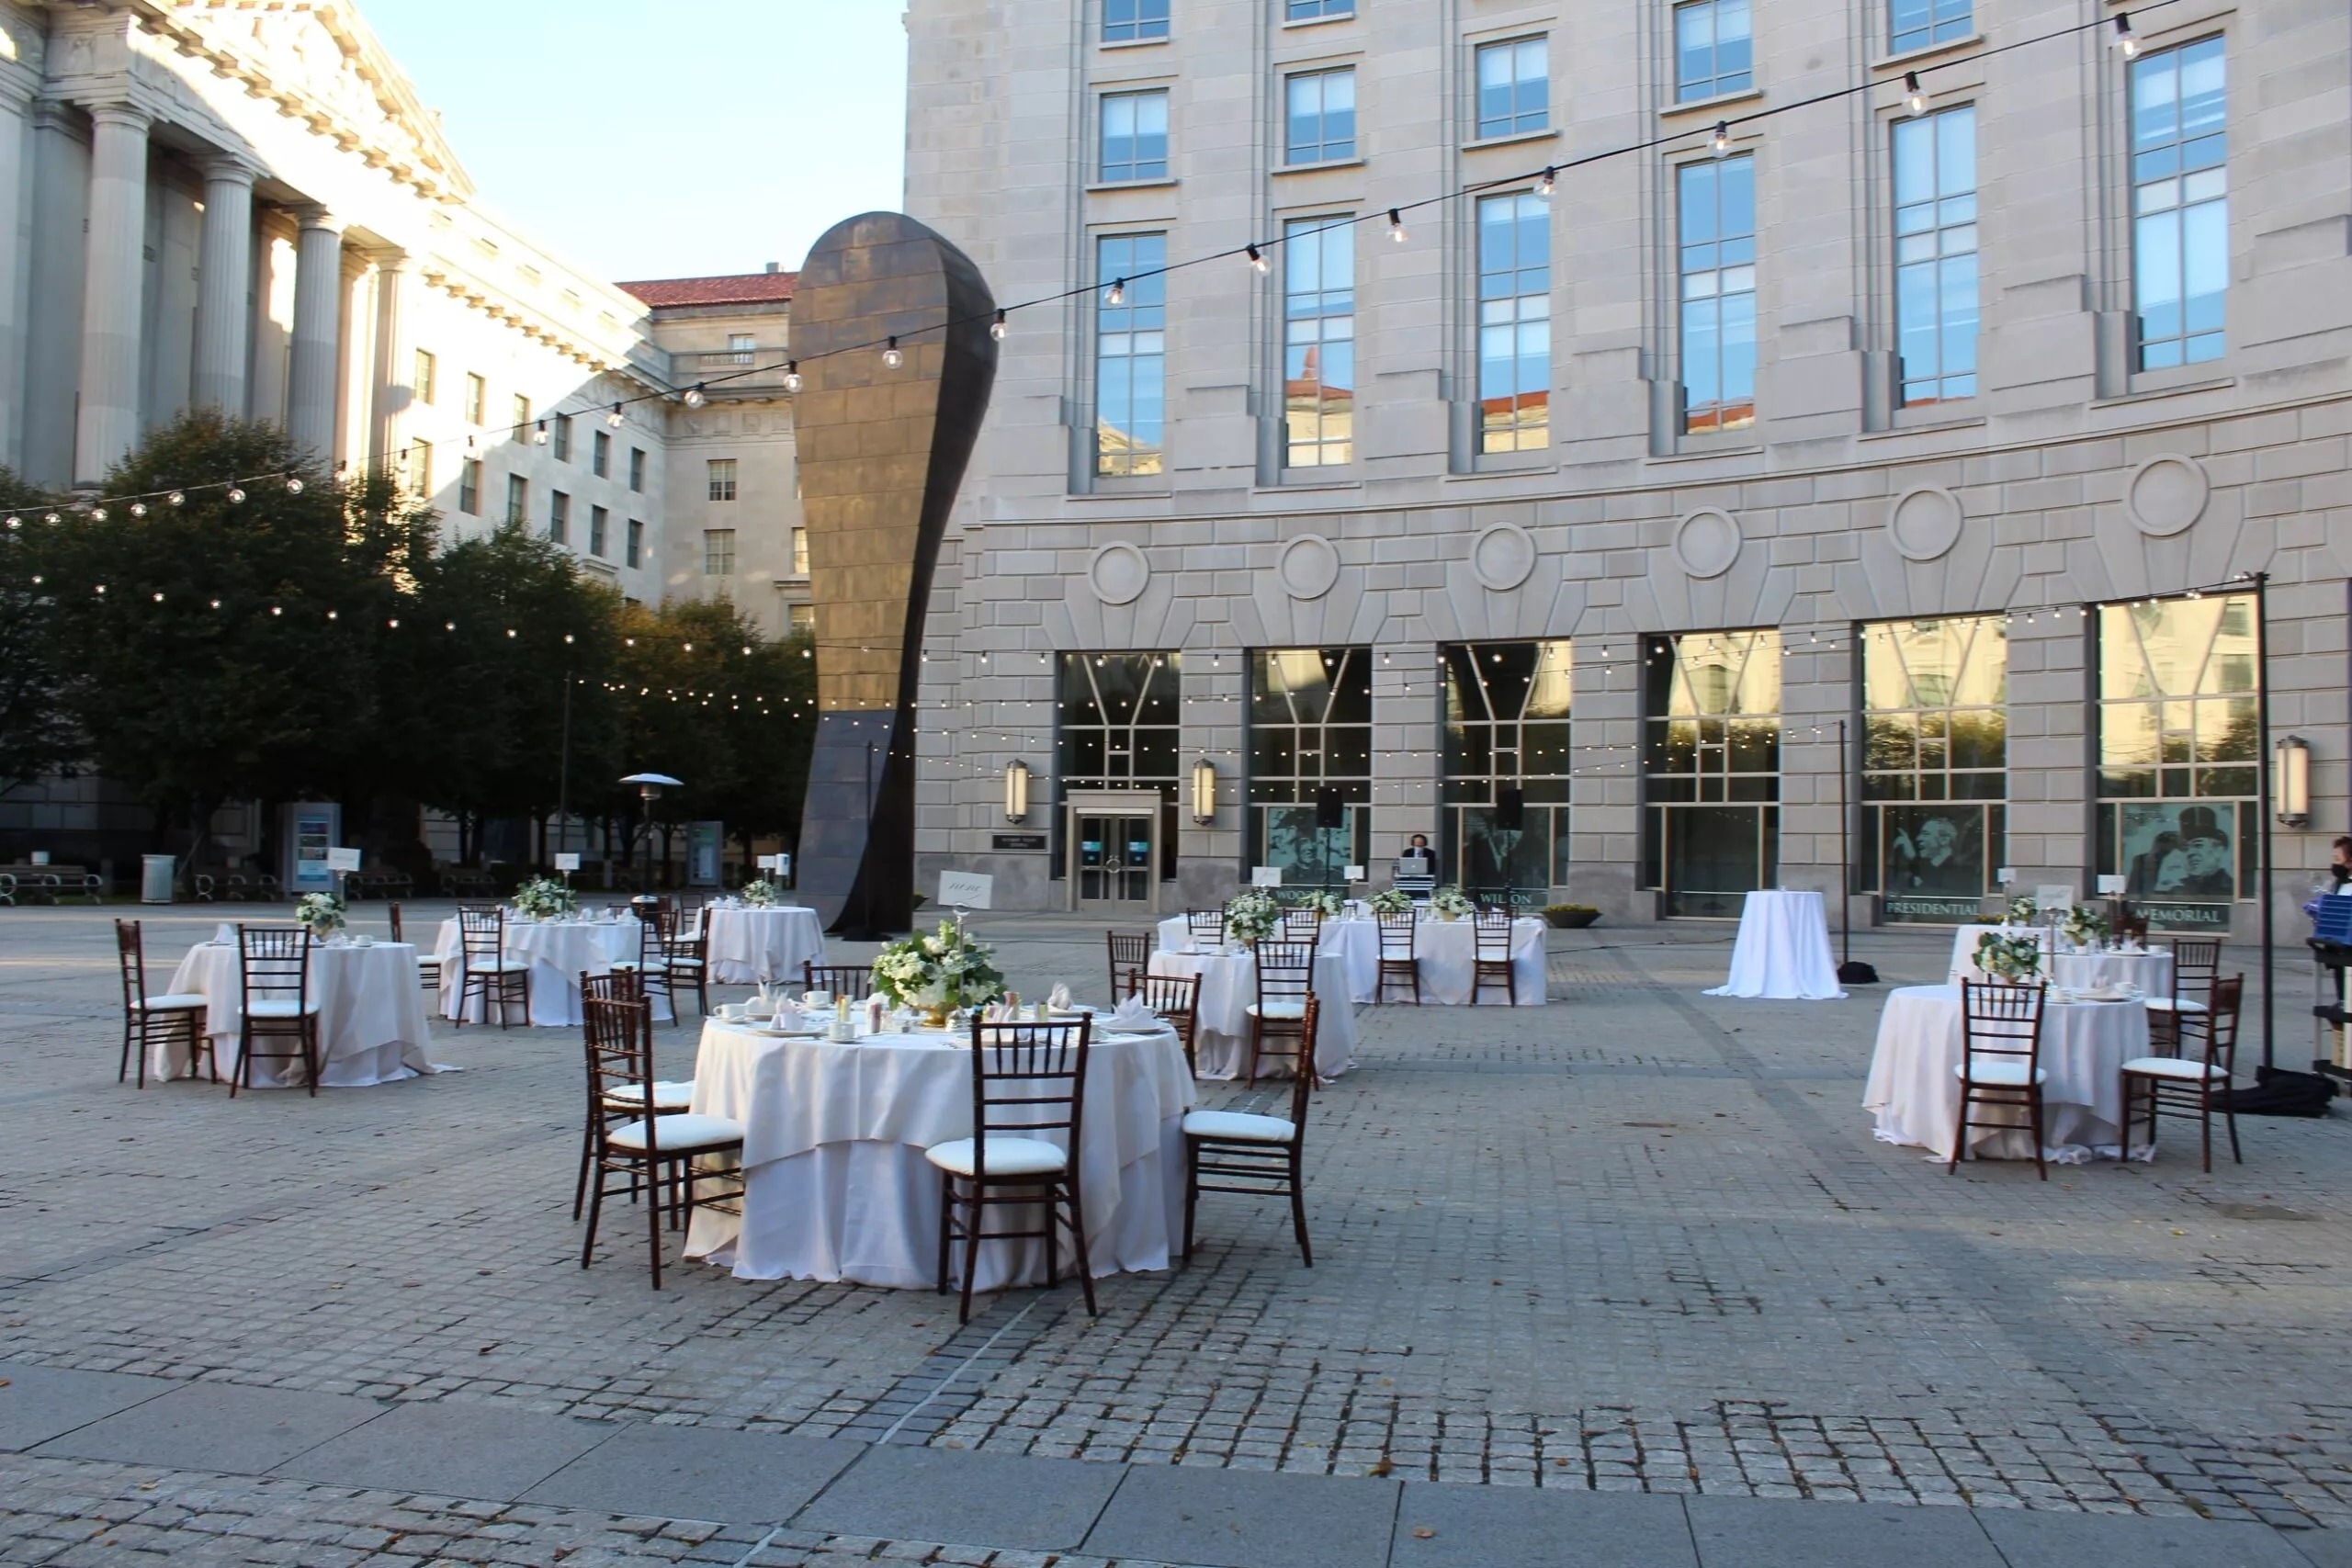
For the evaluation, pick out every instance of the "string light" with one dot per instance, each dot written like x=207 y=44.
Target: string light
x=293 y=487
x=997 y=329
x=1396 y=226
x=615 y=419
x=891 y=357
x=138 y=509
x=1118 y=296
x=2127 y=42
x=236 y=495
x=1722 y=140
x=1914 y=94
x=1258 y=258
x=693 y=396
x=539 y=436
x=177 y=498
x=98 y=514
x=1546 y=182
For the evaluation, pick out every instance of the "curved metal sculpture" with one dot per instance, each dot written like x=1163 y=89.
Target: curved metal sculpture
x=882 y=449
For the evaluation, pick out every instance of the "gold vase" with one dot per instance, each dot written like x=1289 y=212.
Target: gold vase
x=936 y=1018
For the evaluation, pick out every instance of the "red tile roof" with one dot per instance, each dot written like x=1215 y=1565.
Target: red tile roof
x=733 y=288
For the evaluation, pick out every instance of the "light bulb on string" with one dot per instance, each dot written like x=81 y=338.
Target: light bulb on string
x=539 y=436
x=1396 y=225
x=2127 y=42
x=615 y=417
x=1547 y=182
x=1913 y=93
x=236 y=495
x=51 y=518
x=1721 y=141
x=138 y=509
x=693 y=396
x=1118 y=294
x=1257 y=258
x=175 y=499
x=293 y=487
x=891 y=355
x=98 y=514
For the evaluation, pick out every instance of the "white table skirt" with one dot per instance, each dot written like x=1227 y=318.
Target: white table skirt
x=372 y=1026
x=559 y=953
x=1914 y=1091
x=1229 y=986
x=1445 y=949
x=1782 y=951
x=762 y=946
x=1357 y=941
x=836 y=1185
x=2148 y=969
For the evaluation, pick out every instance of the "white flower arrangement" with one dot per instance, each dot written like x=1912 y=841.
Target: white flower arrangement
x=2014 y=957
x=2084 y=925
x=1251 y=914
x=1392 y=901
x=758 y=893
x=1450 y=903
x=1323 y=902
x=543 y=899
x=322 y=912
x=2023 y=911
x=939 y=972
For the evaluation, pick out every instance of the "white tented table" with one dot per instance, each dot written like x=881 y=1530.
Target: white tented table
x=762 y=946
x=1229 y=986
x=836 y=1186
x=372 y=1026
x=559 y=951
x=1782 y=951
x=1914 y=1089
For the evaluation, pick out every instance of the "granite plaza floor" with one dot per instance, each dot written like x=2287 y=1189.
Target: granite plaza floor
x=1625 y=1280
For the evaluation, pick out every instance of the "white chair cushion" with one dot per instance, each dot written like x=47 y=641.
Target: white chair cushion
x=504 y=966
x=685 y=964
x=1238 y=1125
x=1007 y=1156
x=1277 y=1009
x=628 y=966
x=272 y=1006
x=680 y=1133
x=667 y=1096
x=2172 y=1067
x=171 y=1001
x=2000 y=1074
x=2182 y=1004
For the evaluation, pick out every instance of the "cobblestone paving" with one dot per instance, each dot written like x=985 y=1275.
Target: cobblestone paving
x=1641 y=1239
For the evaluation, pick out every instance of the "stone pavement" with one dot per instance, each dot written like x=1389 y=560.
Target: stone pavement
x=1640 y=1242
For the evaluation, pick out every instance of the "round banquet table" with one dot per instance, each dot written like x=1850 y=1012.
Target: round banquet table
x=1229 y=986
x=836 y=1186
x=1914 y=1090
x=2147 y=970
x=1445 y=949
x=1783 y=950
x=1356 y=941
x=761 y=946
x=372 y=1025
x=559 y=953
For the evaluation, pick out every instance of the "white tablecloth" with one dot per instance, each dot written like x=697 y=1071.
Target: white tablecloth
x=836 y=1185
x=2148 y=969
x=1355 y=941
x=1783 y=949
x=1229 y=986
x=1446 y=950
x=559 y=951
x=372 y=1025
x=1914 y=1092
x=762 y=946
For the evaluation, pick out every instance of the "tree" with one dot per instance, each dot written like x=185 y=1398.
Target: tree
x=35 y=736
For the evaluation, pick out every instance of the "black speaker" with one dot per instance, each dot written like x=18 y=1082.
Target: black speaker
x=1510 y=809
x=1330 y=813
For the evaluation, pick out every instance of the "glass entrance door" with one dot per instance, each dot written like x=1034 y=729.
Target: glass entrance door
x=1113 y=859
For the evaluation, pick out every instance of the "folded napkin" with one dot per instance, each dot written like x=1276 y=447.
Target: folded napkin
x=1132 y=1016
x=225 y=934
x=1058 y=997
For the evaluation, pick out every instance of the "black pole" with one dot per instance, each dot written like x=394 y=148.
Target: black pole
x=2262 y=763
x=563 y=777
x=1845 y=866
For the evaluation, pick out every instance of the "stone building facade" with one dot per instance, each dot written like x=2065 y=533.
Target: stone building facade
x=1948 y=408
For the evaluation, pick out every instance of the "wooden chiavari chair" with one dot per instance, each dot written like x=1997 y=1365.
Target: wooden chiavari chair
x=484 y=970
x=1399 y=964
x=428 y=965
x=2186 y=1086
x=2000 y=1061
x=1277 y=1018
x=1261 y=1157
x=1130 y=956
x=1177 y=999
x=669 y=1095
x=651 y=964
x=1490 y=935
x=149 y=1021
x=652 y=1152
x=855 y=981
x=1205 y=927
x=2175 y=1018
x=273 y=963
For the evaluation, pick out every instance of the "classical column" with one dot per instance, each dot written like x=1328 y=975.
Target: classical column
x=15 y=264
x=113 y=275
x=318 y=318
x=225 y=285
x=390 y=391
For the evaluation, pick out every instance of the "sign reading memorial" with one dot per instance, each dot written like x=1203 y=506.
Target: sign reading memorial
x=2179 y=868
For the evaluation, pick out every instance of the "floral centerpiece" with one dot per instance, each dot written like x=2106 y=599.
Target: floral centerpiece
x=2085 y=925
x=543 y=899
x=1392 y=901
x=322 y=912
x=758 y=892
x=1450 y=903
x=2023 y=911
x=1251 y=914
x=939 y=972
x=2012 y=956
x=1323 y=902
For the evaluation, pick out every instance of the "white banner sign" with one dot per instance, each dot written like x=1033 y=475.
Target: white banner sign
x=965 y=889
x=569 y=860
x=343 y=860
x=1355 y=873
x=1265 y=876
x=2112 y=886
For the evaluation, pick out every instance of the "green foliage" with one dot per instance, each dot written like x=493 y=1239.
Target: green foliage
x=34 y=735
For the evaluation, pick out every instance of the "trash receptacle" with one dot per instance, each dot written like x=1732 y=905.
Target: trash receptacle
x=155 y=879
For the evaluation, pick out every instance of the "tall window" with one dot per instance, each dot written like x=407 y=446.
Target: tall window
x=1935 y=755
x=739 y=348
x=1130 y=352
x=2180 y=203
x=562 y=434
x=1935 y=255
x=1134 y=136
x=1514 y=323
x=521 y=408
x=1514 y=87
x=803 y=617
x=1319 y=117
x=1316 y=10
x=518 y=497
x=1506 y=782
x=469 y=486
x=637 y=468
x=2178 y=731
x=1119 y=725
x=1132 y=21
x=559 y=517
x=722 y=478
x=1916 y=24
x=419 y=467
x=1717 y=208
x=1310 y=760
x=801 y=552
x=1710 y=766
x=597 y=518
x=428 y=377
x=718 y=552
x=1318 y=341
x=635 y=542
x=477 y=398
x=600 y=454
x=1712 y=54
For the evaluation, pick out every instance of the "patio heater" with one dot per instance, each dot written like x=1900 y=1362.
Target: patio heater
x=649 y=790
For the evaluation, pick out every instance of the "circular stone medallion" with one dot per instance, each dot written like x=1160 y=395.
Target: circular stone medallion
x=2166 y=493
x=1307 y=567
x=1924 y=523
x=1503 y=556
x=1118 y=573
x=1707 y=542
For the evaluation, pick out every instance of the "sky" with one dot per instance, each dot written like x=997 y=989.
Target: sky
x=664 y=138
